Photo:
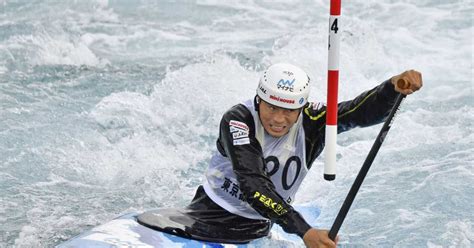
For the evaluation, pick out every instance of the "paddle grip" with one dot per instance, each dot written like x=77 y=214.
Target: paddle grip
x=403 y=84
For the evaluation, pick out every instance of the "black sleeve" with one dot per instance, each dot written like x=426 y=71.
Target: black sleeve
x=369 y=108
x=249 y=166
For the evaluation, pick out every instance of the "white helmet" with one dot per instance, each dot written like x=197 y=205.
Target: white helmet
x=285 y=86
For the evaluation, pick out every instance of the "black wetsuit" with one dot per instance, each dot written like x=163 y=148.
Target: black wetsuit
x=215 y=223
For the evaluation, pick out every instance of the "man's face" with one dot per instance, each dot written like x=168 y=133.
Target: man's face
x=277 y=121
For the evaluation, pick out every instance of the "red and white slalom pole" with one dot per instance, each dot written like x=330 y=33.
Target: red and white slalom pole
x=333 y=80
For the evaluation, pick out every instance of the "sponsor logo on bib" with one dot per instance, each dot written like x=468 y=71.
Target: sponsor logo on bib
x=240 y=133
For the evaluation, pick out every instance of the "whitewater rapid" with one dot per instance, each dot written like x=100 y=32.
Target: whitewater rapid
x=108 y=107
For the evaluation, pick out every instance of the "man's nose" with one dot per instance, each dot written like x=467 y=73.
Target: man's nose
x=279 y=116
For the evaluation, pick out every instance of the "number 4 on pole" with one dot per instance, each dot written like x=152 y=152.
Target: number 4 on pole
x=334 y=26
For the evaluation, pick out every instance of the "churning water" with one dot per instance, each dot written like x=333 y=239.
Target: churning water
x=108 y=107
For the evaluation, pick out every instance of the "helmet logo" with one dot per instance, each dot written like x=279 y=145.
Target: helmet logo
x=286 y=85
x=301 y=100
x=283 y=100
x=289 y=73
x=263 y=89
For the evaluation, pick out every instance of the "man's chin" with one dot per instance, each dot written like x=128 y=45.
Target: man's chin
x=277 y=134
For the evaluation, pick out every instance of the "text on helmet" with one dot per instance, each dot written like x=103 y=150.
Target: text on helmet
x=286 y=84
x=276 y=98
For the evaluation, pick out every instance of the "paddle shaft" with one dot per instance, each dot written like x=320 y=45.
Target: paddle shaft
x=363 y=171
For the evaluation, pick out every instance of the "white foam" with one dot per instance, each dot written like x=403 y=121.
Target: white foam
x=156 y=132
x=459 y=233
x=134 y=149
x=48 y=50
x=28 y=236
x=54 y=180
